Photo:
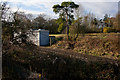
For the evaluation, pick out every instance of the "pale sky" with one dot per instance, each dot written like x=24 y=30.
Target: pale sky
x=98 y=7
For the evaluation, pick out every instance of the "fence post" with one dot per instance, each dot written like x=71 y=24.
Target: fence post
x=50 y=41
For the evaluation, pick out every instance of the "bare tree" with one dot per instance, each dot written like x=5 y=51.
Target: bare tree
x=30 y=17
x=79 y=12
x=77 y=27
x=39 y=22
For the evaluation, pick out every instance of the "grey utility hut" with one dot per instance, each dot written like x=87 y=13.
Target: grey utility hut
x=40 y=37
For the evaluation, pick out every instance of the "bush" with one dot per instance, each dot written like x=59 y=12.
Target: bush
x=108 y=29
x=93 y=30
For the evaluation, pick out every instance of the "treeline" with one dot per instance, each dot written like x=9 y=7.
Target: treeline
x=90 y=24
x=44 y=22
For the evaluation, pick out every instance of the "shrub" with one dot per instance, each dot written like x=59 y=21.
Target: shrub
x=108 y=29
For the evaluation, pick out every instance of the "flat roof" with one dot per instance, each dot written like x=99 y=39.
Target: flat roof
x=40 y=30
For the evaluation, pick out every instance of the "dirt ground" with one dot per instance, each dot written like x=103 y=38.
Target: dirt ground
x=84 y=57
x=56 y=63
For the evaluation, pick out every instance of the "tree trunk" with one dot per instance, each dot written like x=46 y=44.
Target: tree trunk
x=68 y=32
x=67 y=26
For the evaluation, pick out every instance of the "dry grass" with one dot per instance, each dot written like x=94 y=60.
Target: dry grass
x=97 y=44
x=57 y=35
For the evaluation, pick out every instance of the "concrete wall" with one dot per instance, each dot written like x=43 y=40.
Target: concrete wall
x=40 y=37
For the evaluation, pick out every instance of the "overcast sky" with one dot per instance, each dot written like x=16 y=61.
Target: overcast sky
x=98 y=7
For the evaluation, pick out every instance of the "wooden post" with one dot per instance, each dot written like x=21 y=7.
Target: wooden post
x=50 y=41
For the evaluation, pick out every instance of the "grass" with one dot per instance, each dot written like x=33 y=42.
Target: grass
x=87 y=34
x=57 y=35
x=94 y=44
